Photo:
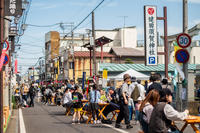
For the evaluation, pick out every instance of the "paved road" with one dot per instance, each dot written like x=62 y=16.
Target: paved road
x=51 y=119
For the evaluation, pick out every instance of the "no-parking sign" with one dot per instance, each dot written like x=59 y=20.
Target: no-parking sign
x=182 y=56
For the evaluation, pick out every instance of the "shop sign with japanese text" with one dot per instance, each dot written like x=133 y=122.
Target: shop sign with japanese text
x=13 y=7
x=150 y=35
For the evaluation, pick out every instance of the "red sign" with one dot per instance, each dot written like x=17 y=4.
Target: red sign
x=182 y=56
x=16 y=62
x=150 y=11
x=183 y=40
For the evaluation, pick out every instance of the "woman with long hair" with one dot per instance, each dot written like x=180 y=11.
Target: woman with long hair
x=146 y=109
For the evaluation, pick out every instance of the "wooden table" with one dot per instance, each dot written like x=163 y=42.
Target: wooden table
x=103 y=106
x=192 y=120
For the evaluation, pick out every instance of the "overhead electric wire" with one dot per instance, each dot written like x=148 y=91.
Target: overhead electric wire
x=42 y=25
x=86 y=17
x=79 y=23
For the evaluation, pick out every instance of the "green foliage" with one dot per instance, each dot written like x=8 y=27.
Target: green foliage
x=128 y=61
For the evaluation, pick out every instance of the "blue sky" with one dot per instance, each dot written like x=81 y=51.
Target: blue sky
x=107 y=16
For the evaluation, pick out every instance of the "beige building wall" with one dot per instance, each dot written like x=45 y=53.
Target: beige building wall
x=83 y=65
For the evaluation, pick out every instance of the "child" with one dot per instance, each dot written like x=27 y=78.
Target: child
x=131 y=108
x=103 y=96
x=137 y=106
x=77 y=104
x=94 y=100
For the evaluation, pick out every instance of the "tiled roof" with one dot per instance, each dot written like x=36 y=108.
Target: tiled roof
x=126 y=51
x=87 y=54
x=111 y=67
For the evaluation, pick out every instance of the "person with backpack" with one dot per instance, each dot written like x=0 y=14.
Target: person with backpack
x=77 y=104
x=146 y=109
x=94 y=98
x=134 y=90
x=124 y=111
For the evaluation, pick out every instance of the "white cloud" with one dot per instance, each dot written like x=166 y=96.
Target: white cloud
x=112 y=4
x=89 y=4
x=45 y=6
x=171 y=30
x=190 y=1
x=196 y=21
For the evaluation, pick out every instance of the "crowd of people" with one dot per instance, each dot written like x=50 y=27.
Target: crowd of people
x=147 y=105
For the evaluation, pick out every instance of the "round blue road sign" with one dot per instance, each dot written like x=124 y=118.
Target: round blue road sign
x=6 y=60
x=182 y=56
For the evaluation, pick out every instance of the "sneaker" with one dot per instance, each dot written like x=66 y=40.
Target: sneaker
x=79 y=122
x=98 y=122
x=106 y=121
x=95 y=122
x=129 y=126
x=117 y=126
x=73 y=121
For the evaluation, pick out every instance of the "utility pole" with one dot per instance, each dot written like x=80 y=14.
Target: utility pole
x=73 y=56
x=94 y=46
x=1 y=72
x=185 y=65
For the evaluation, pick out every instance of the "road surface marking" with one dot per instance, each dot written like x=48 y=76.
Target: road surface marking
x=110 y=126
x=21 y=122
x=117 y=129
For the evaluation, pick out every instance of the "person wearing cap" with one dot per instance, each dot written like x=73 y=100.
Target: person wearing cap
x=163 y=114
x=112 y=98
x=124 y=111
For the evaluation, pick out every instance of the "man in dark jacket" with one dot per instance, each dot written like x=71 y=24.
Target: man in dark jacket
x=32 y=92
x=156 y=83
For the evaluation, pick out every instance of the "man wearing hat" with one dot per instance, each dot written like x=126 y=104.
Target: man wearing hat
x=112 y=106
x=124 y=111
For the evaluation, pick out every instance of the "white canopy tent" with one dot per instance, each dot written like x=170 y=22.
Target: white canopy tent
x=134 y=73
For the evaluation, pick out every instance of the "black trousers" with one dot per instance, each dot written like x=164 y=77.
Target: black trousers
x=32 y=100
x=124 y=114
x=111 y=107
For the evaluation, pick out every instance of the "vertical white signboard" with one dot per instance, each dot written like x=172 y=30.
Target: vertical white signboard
x=150 y=35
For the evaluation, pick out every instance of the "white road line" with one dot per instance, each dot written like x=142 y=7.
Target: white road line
x=110 y=126
x=116 y=129
x=21 y=122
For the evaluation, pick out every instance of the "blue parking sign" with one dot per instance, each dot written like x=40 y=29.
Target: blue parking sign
x=152 y=60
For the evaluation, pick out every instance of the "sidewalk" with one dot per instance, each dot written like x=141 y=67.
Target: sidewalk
x=13 y=126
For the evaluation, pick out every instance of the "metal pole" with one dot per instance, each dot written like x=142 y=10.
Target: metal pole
x=90 y=62
x=101 y=53
x=1 y=73
x=63 y=65
x=165 y=41
x=73 y=56
x=185 y=30
x=94 y=46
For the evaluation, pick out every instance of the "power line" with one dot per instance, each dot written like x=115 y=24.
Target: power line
x=86 y=17
x=79 y=23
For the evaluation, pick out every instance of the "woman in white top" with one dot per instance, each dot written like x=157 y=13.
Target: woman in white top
x=67 y=99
